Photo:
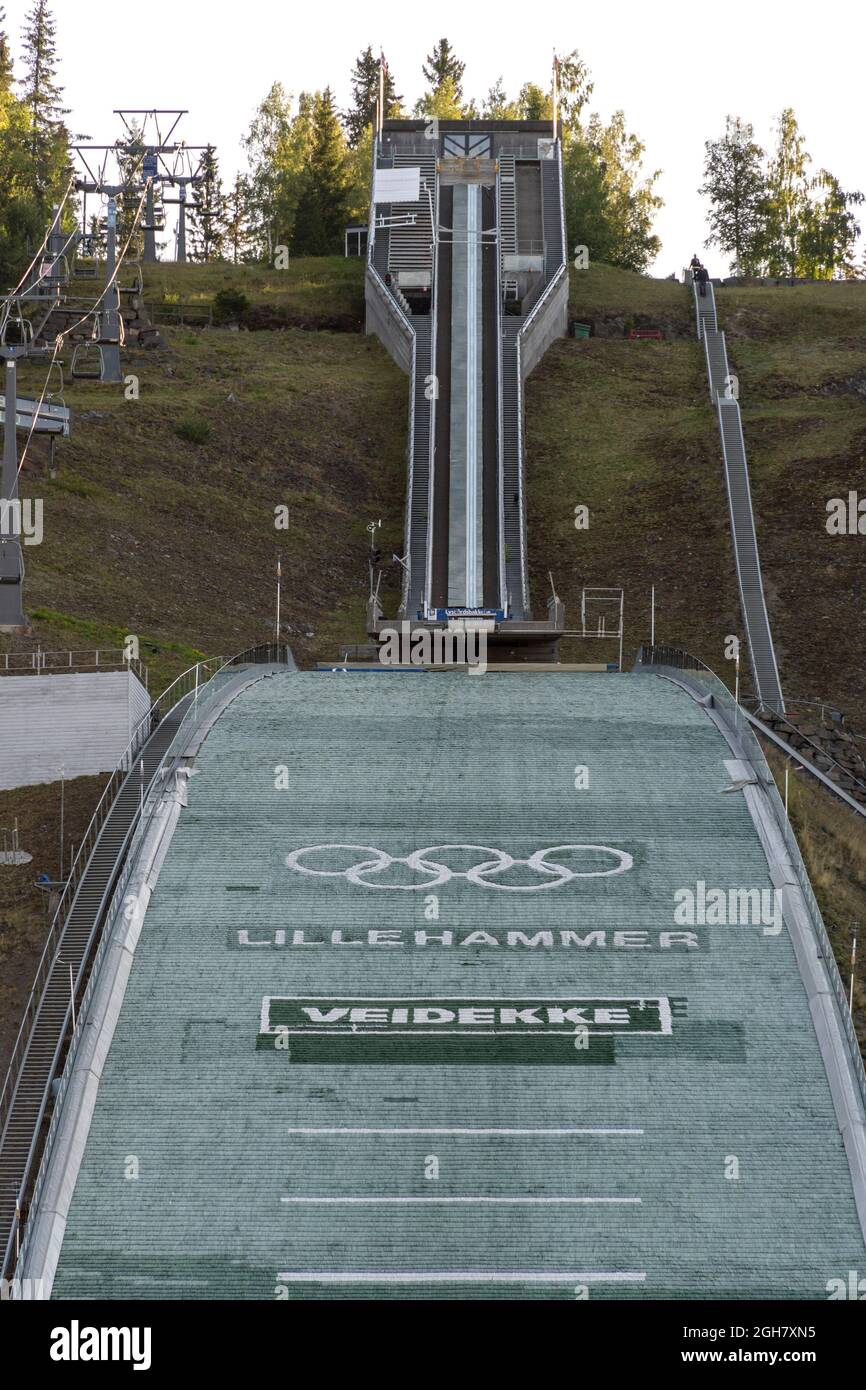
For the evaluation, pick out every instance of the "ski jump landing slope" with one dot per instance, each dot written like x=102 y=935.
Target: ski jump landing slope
x=500 y=1070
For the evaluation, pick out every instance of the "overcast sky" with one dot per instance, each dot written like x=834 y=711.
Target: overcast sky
x=676 y=69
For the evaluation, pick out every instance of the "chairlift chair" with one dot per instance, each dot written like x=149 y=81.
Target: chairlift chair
x=51 y=276
x=16 y=330
x=104 y=334
x=87 y=362
x=55 y=384
x=136 y=288
x=86 y=263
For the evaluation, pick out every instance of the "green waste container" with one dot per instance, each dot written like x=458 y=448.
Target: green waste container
x=580 y=330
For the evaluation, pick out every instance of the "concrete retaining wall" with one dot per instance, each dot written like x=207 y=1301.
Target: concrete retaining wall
x=79 y=722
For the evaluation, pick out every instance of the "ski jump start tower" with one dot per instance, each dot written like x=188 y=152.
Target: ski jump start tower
x=467 y=286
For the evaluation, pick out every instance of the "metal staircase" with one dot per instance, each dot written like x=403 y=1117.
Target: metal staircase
x=419 y=472
x=760 y=638
x=410 y=247
x=552 y=215
x=37 y=1058
x=507 y=221
x=512 y=466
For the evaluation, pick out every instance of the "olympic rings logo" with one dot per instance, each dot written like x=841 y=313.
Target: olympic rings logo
x=483 y=875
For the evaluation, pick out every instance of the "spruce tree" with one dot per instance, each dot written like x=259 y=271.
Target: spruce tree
x=443 y=66
x=237 y=232
x=365 y=95
x=323 y=206
x=207 y=212
x=42 y=96
x=6 y=74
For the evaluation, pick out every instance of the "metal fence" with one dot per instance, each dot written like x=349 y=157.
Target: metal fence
x=658 y=659
x=41 y=663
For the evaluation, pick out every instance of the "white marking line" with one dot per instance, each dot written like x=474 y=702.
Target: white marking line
x=456 y=1201
x=518 y=1133
x=458 y=1277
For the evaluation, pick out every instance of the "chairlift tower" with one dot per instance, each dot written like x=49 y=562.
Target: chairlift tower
x=160 y=160
x=155 y=168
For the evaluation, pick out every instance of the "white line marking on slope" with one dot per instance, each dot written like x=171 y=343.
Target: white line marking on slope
x=463 y=1277
x=519 y=1133
x=453 y=1201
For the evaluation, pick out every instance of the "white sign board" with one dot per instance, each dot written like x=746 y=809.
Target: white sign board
x=397 y=185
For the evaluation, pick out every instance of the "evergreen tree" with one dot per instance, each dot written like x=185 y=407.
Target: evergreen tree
x=358 y=165
x=33 y=156
x=207 y=214
x=365 y=95
x=443 y=66
x=323 y=206
x=735 y=183
x=130 y=206
x=443 y=102
x=238 y=242
x=6 y=73
x=42 y=96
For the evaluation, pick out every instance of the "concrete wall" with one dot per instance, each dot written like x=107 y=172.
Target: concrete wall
x=386 y=323
x=81 y=722
x=550 y=323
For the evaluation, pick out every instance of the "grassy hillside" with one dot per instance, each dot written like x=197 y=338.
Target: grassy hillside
x=160 y=518
x=626 y=428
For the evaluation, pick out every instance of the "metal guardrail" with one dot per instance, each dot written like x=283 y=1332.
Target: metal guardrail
x=269 y=653
x=532 y=318
x=41 y=663
x=741 y=545
x=188 y=684
x=805 y=763
x=816 y=747
x=406 y=327
x=192 y=315
x=657 y=659
x=500 y=404
x=744 y=537
x=431 y=443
